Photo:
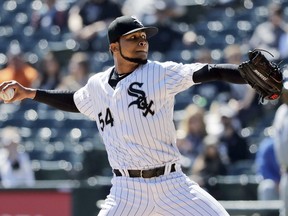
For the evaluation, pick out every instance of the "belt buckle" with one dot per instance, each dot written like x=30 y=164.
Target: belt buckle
x=141 y=173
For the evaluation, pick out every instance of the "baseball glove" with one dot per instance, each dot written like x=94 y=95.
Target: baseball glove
x=264 y=76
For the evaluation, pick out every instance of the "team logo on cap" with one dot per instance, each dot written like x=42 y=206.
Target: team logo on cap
x=137 y=21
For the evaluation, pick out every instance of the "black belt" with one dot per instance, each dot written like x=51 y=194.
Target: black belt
x=146 y=173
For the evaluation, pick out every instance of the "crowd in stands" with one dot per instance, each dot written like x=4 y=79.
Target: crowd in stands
x=57 y=44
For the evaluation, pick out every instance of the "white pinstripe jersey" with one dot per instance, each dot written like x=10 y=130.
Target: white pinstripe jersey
x=135 y=119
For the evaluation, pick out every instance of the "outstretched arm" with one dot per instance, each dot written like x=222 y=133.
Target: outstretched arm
x=220 y=72
x=62 y=100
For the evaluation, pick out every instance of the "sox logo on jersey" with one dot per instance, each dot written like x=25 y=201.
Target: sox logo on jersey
x=144 y=139
x=140 y=135
x=141 y=99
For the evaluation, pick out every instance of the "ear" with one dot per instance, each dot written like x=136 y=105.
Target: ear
x=114 y=47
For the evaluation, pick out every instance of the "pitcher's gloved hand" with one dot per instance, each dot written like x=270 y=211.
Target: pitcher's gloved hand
x=263 y=75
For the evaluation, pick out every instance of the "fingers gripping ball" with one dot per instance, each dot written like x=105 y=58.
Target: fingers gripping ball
x=7 y=95
x=264 y=76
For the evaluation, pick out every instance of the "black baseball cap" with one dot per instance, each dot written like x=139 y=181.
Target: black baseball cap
x=125 y=25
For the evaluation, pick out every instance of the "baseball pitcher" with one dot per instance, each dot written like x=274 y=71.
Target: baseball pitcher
x=132 y=103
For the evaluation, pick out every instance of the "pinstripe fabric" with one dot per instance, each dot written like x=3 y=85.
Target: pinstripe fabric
x=136 y=141
x=169 y=195
x=135 y=121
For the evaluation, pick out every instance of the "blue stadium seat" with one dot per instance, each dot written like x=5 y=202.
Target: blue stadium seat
x=36 y=154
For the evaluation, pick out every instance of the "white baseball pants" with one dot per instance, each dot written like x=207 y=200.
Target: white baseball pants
x=173 y=194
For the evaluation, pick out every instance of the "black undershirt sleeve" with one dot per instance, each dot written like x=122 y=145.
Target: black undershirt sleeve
x=219 y=72
x=62 y=100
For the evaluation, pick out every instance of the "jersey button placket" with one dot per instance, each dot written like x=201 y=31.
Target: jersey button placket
x=118 y=105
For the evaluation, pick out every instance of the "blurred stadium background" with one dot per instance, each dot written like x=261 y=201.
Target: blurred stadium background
x=66 y=151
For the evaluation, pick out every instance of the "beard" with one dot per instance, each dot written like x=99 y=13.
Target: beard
x=134 y=60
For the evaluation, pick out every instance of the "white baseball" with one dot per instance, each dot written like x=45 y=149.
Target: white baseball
x=7 y=95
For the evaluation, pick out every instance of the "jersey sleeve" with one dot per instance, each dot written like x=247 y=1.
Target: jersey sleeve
x=84 y=102
x=179 y=76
